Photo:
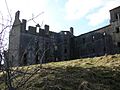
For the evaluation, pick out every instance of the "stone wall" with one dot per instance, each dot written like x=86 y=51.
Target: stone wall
x=27 y=47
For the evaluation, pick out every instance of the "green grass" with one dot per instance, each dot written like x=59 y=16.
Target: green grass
x=98 y=73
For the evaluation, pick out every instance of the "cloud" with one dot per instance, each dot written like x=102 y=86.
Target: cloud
x=76 y=9
x=102 y=13
x=95 y=11
x=27 y=8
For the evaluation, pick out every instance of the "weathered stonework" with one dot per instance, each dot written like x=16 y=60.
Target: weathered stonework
x=105 y=40
x=28 y=47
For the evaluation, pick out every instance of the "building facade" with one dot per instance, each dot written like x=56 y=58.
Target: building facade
x=37 y=45
x=105 y=40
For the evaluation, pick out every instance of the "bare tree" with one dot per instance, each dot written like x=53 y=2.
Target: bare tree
x=10 y=73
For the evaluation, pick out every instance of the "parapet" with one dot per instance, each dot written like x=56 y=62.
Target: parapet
x=32 y=30
x=68 y=33
x=35 y=30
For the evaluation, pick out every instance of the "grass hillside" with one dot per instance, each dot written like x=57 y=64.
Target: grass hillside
x=98 y=73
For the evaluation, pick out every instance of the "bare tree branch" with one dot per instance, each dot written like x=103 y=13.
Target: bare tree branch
x=11 y=74
x=35 y=16
x=8 y=10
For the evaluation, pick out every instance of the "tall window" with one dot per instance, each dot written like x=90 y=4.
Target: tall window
x=118 y=44
x=36 y=59
x=65 y=50
x=93 y=38
x=37 y=29
x=83 y=40
x=117 y=16
x=117 y=30
x=104 y=49
x=25 y=59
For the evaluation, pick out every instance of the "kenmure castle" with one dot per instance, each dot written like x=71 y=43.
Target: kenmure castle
x=28 y=47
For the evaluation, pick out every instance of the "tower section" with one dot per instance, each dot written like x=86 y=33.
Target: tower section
x=14 y=41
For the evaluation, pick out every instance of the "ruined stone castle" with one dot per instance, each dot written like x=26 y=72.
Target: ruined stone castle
x=36 y=45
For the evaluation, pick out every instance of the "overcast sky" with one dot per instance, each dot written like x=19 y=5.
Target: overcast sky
x=82 y=15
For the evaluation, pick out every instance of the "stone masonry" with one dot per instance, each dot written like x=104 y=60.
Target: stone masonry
x=36 y=45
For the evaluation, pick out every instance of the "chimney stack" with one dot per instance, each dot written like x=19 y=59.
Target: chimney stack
x=17 y=15
x=72 y=30
x=23 y=24
x=46 y=27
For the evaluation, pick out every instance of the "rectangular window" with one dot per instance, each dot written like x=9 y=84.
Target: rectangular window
x=118 y=44
x=117 y=30
x=83 y=40
x=117 y=16
x=65 y=50
x=93 y=38
x=104 y=49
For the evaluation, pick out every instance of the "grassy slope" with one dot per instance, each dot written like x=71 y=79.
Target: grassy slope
x=98 y=73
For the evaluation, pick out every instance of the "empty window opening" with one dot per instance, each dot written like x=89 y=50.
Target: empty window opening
x=104 y=34
x=37 y=29
x=0 y=59
x=83 y=40
x=36 y=59
x=12 y=57
x=65 y=50
x=65 y=33
x=117 y=30
x=25 y=59
x=117 y=16
x=118 y=44
x=47 y=45
x=104 y=49
x=93 y=38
